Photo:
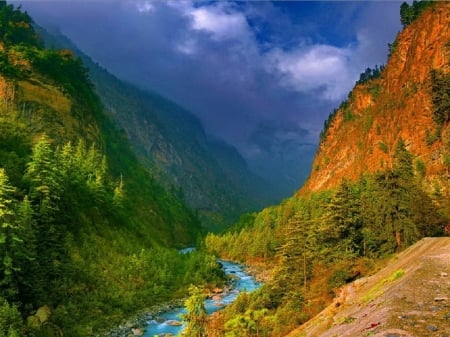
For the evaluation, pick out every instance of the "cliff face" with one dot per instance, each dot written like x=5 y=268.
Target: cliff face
x=364 y=132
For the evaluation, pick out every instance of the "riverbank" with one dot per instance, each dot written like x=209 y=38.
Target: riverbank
x=136 y=325
x=158 y=317
x=259 y=269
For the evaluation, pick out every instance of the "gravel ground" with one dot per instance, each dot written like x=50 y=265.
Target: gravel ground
x=410 y=297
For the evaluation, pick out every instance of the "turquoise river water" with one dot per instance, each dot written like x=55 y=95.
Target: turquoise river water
x=243 y=282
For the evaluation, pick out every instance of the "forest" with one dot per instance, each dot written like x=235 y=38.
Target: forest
x=317 y=243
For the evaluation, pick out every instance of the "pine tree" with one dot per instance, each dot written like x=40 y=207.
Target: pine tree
x=296 y=256
x=388 y=204
x=343 y=222
x=10 y=320
x=46 y=190
x=29 y=278
x=196 y=315
x=16 y=244
x=9 y=240
x=44 y=179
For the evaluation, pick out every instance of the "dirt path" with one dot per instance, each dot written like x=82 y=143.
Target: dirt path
x=410 y=297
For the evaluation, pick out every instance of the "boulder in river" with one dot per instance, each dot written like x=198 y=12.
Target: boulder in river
x=174 y=322
x=137 y=332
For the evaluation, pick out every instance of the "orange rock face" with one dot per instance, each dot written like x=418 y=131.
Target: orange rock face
x=362 y=137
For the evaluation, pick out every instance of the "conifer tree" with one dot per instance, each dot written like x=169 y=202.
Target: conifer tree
x=196 y=315
x=10 y=320
x=296 y=258
x=30 y=281
x=388 y=204
x=343 y=222
x=44 y=179
x=9 y=240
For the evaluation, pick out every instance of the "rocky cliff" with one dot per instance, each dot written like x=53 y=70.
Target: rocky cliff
x=362 y=134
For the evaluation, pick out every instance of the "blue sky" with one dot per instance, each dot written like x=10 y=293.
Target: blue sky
x=261 y=75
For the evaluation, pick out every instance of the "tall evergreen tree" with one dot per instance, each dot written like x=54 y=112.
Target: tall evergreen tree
x=388 y=204
x=343 y=222
x=44 y=179
x=9 y=240
x=196 y=315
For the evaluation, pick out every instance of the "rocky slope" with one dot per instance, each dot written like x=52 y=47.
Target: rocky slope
x=409 y=297
x=363 y=133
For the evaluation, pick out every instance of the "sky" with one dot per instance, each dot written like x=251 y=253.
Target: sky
x=262 y=75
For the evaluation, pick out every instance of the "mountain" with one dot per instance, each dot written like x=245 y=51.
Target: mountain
x=87 y=235
x=362 y=134
x=209 y=175
x=379 y=183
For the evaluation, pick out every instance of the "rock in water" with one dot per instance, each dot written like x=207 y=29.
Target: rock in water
x=137 y=332
x=174 y=323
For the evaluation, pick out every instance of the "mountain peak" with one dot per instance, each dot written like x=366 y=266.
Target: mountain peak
x=362 y=134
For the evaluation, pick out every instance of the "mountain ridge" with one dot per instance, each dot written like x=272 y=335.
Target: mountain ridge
x=363 y=132
x=172 y=142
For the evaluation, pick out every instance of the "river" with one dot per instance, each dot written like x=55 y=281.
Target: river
x=243 y=282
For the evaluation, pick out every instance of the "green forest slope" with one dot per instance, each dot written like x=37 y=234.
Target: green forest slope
x=83 y=225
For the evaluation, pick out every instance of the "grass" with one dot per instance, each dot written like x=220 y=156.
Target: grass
x=376 y=291
x=46 y=95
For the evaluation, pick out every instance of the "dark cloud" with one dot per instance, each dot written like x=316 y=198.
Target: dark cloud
x=261 y=75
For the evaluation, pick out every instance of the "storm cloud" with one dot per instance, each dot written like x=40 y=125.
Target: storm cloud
x=261 y=75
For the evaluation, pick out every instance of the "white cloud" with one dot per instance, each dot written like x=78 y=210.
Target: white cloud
x=187 y=47
x=219 y=19
x=317 y=67
x=145 y=7
x=219 y=22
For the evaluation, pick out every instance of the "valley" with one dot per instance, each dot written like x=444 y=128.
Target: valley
x=104 y=182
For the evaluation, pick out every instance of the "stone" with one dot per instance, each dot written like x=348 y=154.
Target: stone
x=174 y=322
x=441 y=299
x=137 y=332
x=432 y=328
x=443 y=274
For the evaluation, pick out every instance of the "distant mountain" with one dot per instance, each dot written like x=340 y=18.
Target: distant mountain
x=210 y=175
